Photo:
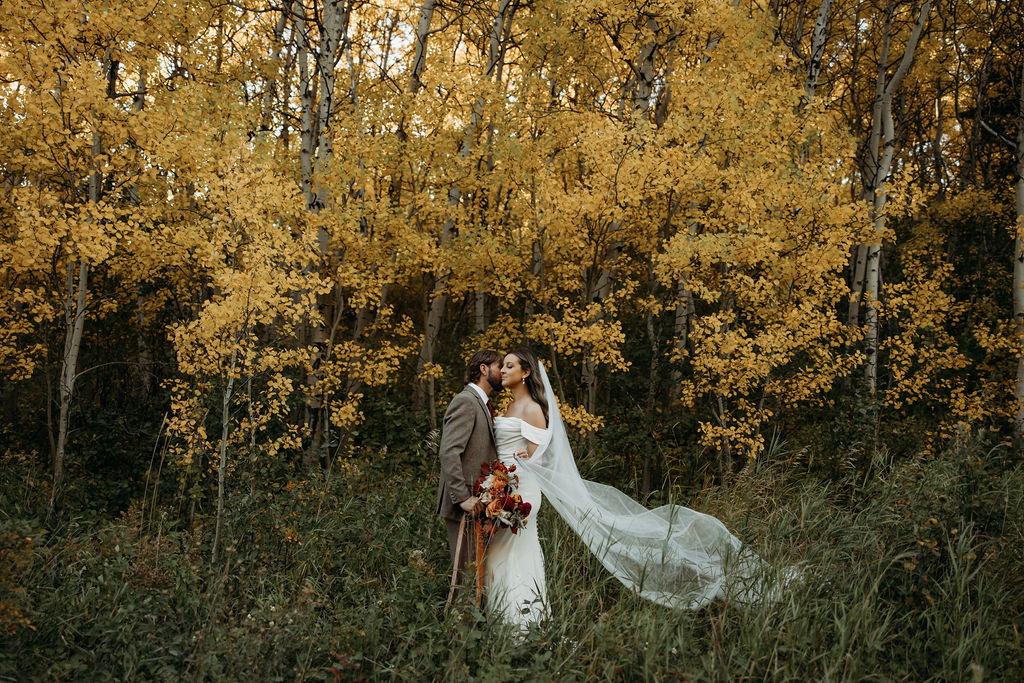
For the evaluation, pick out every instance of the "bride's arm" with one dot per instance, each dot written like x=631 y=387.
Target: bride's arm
x=527 y=453
x=535 y=418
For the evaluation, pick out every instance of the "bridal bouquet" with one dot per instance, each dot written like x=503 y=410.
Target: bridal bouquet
x=496 y=487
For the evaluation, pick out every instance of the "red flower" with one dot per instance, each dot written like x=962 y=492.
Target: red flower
x=515 y=530
x=508 y=504
x=525 y=509
x=511 y=468
x=485 y=467
x=499 y=467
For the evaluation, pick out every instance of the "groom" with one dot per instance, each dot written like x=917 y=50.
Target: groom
x=467 y=441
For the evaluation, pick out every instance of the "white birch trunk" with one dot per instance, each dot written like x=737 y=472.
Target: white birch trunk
x=645 y=71
x=654 y=341
x=683 y=316
x=601 y=290
x=306 y=96
x=307 y=142
x=637 y=91
x=883 y=131
x=419 y=60
x=74 y=321
x=315 y=170
x=537 y=269
x=1018 y=272
x=480 y=310
x=940 y=173
x=424 y=390
x=275 y=55
x=145 y=355
x=222 y=462
x=685 y=309
x=857 y=287
x=495 y=66
x=818 y=37
x=335 y=15
x=419 y=63
x=76 y=289
x=681 y=332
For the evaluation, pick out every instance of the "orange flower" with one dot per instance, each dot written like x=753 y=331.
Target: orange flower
x=493 y=508
x=500 y=480
x=517 y=498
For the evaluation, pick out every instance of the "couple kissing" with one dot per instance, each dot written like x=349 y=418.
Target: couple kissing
x=472 y=435
x=671 y=555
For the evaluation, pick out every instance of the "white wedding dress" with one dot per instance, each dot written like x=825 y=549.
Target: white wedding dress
x=514 y=563
x=671 y=555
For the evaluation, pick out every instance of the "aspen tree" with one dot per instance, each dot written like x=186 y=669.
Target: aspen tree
x=882 y=147
x=438 y=298
x=1018 y=266
x=316 y=157
x=76 y=290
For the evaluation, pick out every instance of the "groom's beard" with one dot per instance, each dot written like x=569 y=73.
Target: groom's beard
x=494 y=380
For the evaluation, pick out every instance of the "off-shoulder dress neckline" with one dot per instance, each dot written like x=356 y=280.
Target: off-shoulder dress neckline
x=513 y=417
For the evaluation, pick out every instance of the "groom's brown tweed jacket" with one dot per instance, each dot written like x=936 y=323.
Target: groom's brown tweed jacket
x=467 y=441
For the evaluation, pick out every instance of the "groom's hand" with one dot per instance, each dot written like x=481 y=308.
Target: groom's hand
x=472 y=505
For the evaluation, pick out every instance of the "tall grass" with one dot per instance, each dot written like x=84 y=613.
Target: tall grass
x=913 y=574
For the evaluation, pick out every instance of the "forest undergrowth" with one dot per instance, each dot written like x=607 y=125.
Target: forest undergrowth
x=909 y=574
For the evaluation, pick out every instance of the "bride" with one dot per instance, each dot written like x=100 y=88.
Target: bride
x=514 y=563
x=671 y=555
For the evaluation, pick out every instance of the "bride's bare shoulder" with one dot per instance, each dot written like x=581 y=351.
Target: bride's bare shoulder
x=534 y=415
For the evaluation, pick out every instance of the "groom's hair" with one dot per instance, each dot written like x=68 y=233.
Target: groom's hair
x=481 y=357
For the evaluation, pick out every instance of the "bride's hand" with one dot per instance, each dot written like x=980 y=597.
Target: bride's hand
x=523 y=454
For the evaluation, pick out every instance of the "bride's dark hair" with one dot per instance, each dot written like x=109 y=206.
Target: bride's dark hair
x=528 y=362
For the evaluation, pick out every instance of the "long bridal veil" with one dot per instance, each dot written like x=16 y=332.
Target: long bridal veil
x=671 y=555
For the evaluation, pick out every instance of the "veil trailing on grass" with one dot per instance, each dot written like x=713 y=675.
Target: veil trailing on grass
x=671 y=555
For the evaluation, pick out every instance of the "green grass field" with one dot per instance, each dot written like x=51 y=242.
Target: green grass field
x=914 y=575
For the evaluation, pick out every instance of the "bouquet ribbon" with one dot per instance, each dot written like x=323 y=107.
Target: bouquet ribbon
x=455 y=562
x=479 y=559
